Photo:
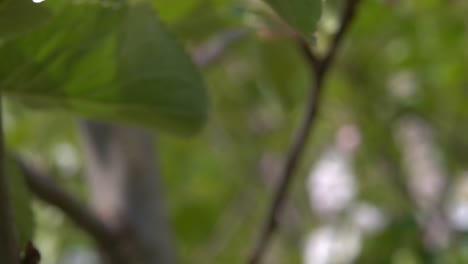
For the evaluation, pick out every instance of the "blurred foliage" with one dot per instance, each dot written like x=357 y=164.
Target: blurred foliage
x=17 y=17
x=401 y=59
x=115 y=62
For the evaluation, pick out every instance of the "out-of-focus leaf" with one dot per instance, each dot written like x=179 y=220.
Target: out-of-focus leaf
x=19 y=16
x=201 y=23
x=172 y=11
x=283 y=71
x=158 y=80
x=302 y=15
x=116 y=64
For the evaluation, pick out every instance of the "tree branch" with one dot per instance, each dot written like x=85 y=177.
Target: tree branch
x=9 y=251
x=31 y=254
x=45 y=189
x=346 y=21
x=320 y=68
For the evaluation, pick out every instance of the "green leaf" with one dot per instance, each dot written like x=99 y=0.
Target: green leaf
x=114 y=64
x=302 y=15
x=19 y=16
x=156 y=75
x=172 y=11
x=281 y=67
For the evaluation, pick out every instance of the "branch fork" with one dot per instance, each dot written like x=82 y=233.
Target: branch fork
x=319 y=66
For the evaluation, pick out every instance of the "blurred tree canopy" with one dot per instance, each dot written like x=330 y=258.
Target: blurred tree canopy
x=223 y=84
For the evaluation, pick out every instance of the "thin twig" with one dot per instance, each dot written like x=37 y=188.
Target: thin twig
x=319 y=67
x=346 y=20
x=45 y=189
x=9 y=250
x=311 y=58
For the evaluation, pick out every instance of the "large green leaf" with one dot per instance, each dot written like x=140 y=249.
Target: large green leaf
x=302 y=15
x=118 y=64
x=18 y=16
x=155 y=73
